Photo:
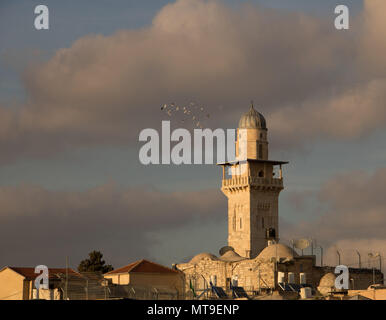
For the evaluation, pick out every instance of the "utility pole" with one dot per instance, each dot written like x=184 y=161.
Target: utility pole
x=373 y=275
x=66 y=287
x=321 y=255
x=87 y=289
x=359 y=257
x=378 y=255
x=380 y=263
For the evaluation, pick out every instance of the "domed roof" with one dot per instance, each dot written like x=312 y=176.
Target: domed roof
x=277 y=250
x=231 y=256
x=328 y=280
x=197 y=258
x=252 y=120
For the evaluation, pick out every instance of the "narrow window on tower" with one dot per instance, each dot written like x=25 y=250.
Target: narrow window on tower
x=234 y=222
x=262 y=222
x=241 y=225
x=260 y=151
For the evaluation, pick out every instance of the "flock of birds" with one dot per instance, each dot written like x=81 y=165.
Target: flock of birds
x=192 y=112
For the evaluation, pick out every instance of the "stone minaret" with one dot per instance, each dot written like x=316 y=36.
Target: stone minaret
x=252 y=189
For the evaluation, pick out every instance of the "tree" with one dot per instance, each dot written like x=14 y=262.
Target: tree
x=94 y=263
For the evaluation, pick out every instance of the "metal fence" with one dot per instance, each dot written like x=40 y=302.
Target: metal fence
x=93 y=286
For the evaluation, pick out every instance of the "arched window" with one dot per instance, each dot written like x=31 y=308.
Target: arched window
x=261 y=174
x=241 y=224
x=262 y=222
x=234 y=223
x=260 y=151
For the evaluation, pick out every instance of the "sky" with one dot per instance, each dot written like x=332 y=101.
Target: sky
x=74 y=98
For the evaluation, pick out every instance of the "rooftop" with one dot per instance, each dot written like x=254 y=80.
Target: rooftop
x=143 y=266
x=29 y=272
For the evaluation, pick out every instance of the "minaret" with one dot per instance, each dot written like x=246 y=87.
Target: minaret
x=252 y=189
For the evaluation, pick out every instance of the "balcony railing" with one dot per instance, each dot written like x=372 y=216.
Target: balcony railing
x=254 y=181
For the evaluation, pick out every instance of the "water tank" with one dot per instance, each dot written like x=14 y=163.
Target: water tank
x=291 y=277
x=280 y=277
x=303 y=278
x=305 y=293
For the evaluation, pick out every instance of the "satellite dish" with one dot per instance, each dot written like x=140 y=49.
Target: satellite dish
x=225 y=249
x=302 y=244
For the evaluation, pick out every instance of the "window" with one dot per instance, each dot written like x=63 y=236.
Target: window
x=260 y=151
x=261 y=174
x=241 y=225
x=262 y=222
x=234 y=222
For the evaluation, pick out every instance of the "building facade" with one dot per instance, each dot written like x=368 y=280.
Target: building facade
x=147 y=280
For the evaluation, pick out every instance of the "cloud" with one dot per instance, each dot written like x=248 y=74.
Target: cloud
x=354 y=109
x=353 y=206
x=42 y=226
x=373 y=38
x=351 y=217
x=356 y=112
x=105 y=89
x=311 y=81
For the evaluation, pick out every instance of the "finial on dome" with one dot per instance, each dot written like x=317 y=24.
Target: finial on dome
x=252 y=104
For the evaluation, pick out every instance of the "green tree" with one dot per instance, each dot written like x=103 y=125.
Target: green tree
x=94 y=263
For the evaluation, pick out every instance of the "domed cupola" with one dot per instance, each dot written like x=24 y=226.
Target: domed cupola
x=252 y=120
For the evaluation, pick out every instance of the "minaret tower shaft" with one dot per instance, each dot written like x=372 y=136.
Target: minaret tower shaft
x=252 y=189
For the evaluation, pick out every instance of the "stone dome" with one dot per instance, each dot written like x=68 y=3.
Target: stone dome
x=252 y=120
x=328 y=280
x=197 y=258
x=279 y=250
x=231 y=256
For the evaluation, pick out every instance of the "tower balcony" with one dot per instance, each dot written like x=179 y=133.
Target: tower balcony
x=241 y=182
